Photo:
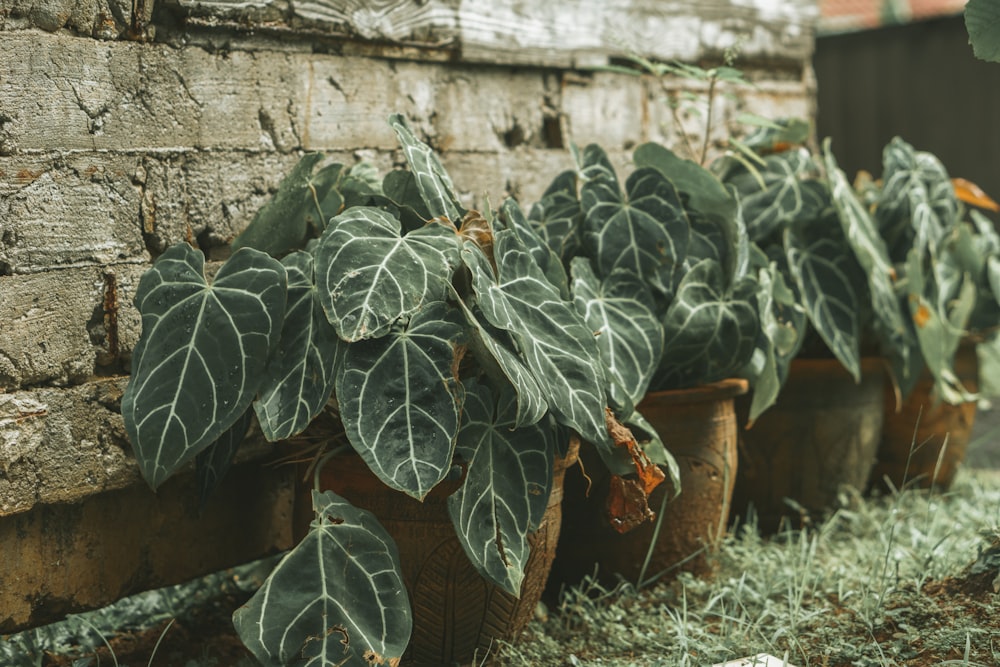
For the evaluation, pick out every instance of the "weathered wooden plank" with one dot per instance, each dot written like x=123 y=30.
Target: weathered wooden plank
x=567 y=33
x=102 y=19
x=65 y=558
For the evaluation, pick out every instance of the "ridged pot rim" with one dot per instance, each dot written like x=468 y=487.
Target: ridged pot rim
x=712 y=391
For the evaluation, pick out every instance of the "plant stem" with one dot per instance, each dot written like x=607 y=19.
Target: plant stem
x=708 y=120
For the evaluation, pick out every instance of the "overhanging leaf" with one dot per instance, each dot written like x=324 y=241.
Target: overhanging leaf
x=629 y=336
x=982 y=20
x=433 y=181
x=506 y=488
x=555 y=342
x=370 y=276
x=336 y=599
x=300 y=375
x=400 y=399
x=202 y=352
x=710 y=332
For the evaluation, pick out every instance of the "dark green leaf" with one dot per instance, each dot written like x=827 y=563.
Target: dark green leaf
x=548 y=261
x=557 y=216
x=213 y=462
x=706 y=194
x=506 y=488
x=337 y=598
x=369 y=276
x=710 y=332
x=202 y=352
x=400 y=399
x=436 y=188
x=827 y=274
x=300 y=375
x=630 y=337
x=555 y=342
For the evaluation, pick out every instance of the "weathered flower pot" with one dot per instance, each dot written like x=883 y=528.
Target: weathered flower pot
x=821 y=434
x=698 y=426
x=921 y=425
x=457 y=615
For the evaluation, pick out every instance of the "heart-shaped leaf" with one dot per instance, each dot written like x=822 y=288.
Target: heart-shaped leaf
x=554 y=340
x=337 y=598
x=826 y=273
x=213 y=462
x=704 y=190
x=202 y=352
x=710 y=332
x=557 y=216
x=506 y=488
x=370 y=276
x=433 y=181
x=644 y=230
x=629 y=335
x=300 y=376
x=774 y=196
x=400 y=399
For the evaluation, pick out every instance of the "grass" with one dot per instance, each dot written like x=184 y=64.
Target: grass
x=883 y=581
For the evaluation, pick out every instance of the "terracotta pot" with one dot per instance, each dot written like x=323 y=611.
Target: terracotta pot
x=698 y=426
x=822 y=434
x=457 y=615
x=921 y=424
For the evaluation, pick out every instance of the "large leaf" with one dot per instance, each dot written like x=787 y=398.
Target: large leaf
x=433 y=181
x=982 y=20
x=557 y=216
x=506 y=488
x=705 y=192
x=336 y=599
x=300 y=376
x=400 y=399
x=496 y=354
x=370 y=276
x=629 y=335
x=775 y=195
x=710 y=332
x=871 y=253
x=555 y=343
x=202 y=352
x=827 y=274
x=644 y=230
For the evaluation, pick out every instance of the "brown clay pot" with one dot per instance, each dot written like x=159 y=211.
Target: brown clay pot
x=698 y=426
x=821 y=434
x=457 y=615
x=921 y=424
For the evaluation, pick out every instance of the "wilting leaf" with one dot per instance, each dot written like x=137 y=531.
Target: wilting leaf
x=654 y=449
x=213 y=462
x=970 y=193
x=554 y=341
x=630 y=337
x=337 y=598
x=202 y=352
x=710 y=332
x=433 y=181
x=627 y=505
x=400 y=399
x=506 y=488
x=300 y=375
x=370 y=277
x=826 y=274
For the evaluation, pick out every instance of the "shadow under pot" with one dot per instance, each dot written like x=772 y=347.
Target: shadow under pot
x=698 y=426
x=458 y=616
x=821 y=435
x=914 y=450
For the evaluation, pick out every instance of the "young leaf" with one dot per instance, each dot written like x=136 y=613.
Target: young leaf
x=710 y=332
x=202 y=352
x=400 y=399
x=506 y=488
x=433 y=181
x=557 y=216
x=213 y=462
x=300 y=375
x=337 y=598
x=630 y=337
x=370 y=276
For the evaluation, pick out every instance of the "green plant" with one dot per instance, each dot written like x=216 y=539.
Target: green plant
x=441 y=341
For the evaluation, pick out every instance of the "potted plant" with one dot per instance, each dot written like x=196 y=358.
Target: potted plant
x=446 y=356
x=658 y=268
